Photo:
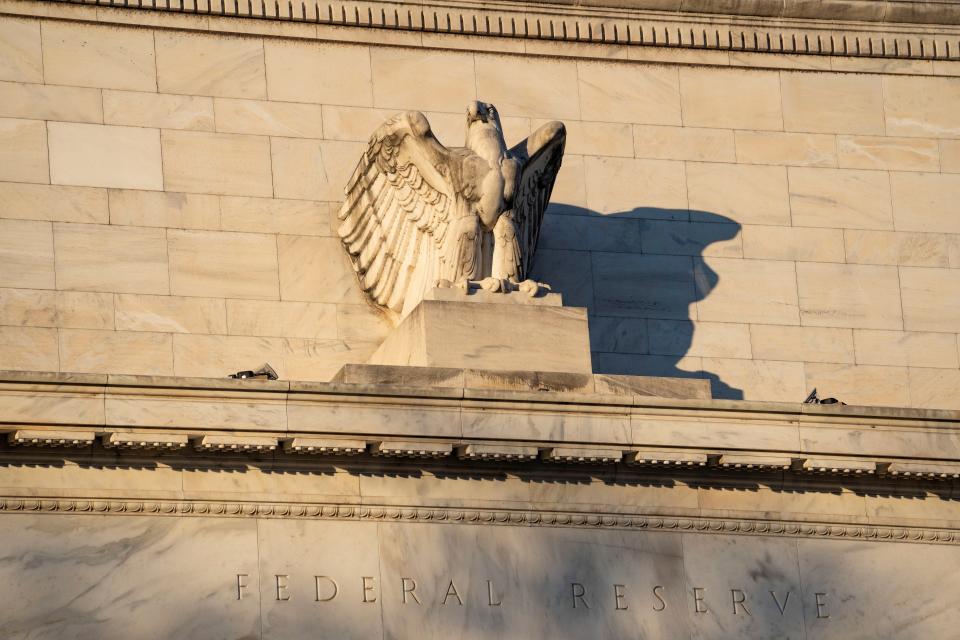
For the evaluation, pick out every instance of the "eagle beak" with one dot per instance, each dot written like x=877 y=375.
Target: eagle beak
x=476 y=111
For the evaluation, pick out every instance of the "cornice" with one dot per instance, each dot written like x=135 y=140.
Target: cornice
x=487 y=517
x=916 y=31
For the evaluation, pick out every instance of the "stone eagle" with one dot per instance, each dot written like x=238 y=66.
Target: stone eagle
x=418 y=215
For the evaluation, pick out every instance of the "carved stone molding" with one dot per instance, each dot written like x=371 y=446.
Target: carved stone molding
x=824 y=35
x=503 y=517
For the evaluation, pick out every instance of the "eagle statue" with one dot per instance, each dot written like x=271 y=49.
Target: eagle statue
x=418 y=215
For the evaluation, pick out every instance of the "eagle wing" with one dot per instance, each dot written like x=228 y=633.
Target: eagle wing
x=399 y=204
x=540 y=156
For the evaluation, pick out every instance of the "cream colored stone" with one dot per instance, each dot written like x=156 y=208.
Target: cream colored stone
x=921 y=106
x=43 y=102
x=675 y=237
x=935 y=388
x=708 y=339
x=84 y=310
x=796 y=149
x=166 y=209
x=112 y=258
x=268 y=215
x=163 y=111
x=29 y=349
x=667 y=292
x=846 y=198
x=23 y=150
x=641 y=187
x=26 y=253
x=264 y=118
x=55 y=203
x=898 y=154
x=20 y=52
x=793 y=243
x=171 y=314
x=210 y=65
x=802 y=344
x=683 y=143
x=321 y=359
x=595 y=138
x=316 y=270
x=730 y=99
x=130 y=352
x=219 y=356
x=931 y=299
x=223 y=264
x=906 y=348
x=425 y=79
x=832 y=103
x=760 y=379
x=856 y=296
x=925 y=202
x=950 y=156
x=570 y=187
x=860 y=385
x=356 y=123
x=534 y=87
x=105 y=156
x=319 y=72
x=756 y=291
x=897 y=248
x=748 y=194
x=313 y=169
x=218 y=163
x=619 y=92
x=67 y=309
x=953 y=250
x=282 y=319
x=361 y=322
x=90 y=55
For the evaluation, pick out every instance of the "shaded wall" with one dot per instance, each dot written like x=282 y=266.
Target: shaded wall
x=167 y=196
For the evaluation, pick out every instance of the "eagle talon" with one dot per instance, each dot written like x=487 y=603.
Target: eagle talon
x=530 y=287
x=492 y=285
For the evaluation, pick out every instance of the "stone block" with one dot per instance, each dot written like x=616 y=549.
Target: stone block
x=906 y=348
x=26 y=252
x=593 y=233
x=316 y=270
x=730 y=99
x=950 y=156
x=217 y=163
x=755 y=291
x=319 y=72
x=925 y=201
x=477 y=335
x=313 y=169
x=93 y=155
x=309 y=359
x=158 y=110
x=860 y=385
x=114 y=259
x=210 y=65
x=21 y=59
x=170 y=314
x=675 y=237
x=534 y=87
x=361 y=322
x=802 y=344
x=795 y=149
x=209 y=356
x=29 y=349
x=683 y=143
x=856 y=296
x=953 y=250
x=260 y=117
x=404 y=376
x=935 y=388
x=164 y=209
x=847 y=198
x=130 y=352
x=620 y=335
x=895 y=154
x=667 y=292
x=793 y=243
x=708 y=339
x=66 y=309
x=223 y=264
x=270 y=215
x=748 y=194
x=653 y=386
x=90 y=55
x=642 y=188
x=832 y=103
x=620 y=92
x=569 y=273
x=921 y=106
x=423 y=79
x=23 y=150
x=596 y=138
x=54 y=203
x=896 y=248
x=314 y=320
x=931 y=299
x=42 y=102
x=354 y=124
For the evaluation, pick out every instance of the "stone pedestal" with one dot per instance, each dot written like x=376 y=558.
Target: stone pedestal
x=482 y=330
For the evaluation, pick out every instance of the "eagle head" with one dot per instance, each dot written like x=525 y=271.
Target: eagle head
x=482 y=113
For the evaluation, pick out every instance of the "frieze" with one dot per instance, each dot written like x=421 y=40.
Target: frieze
x=569 y=519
